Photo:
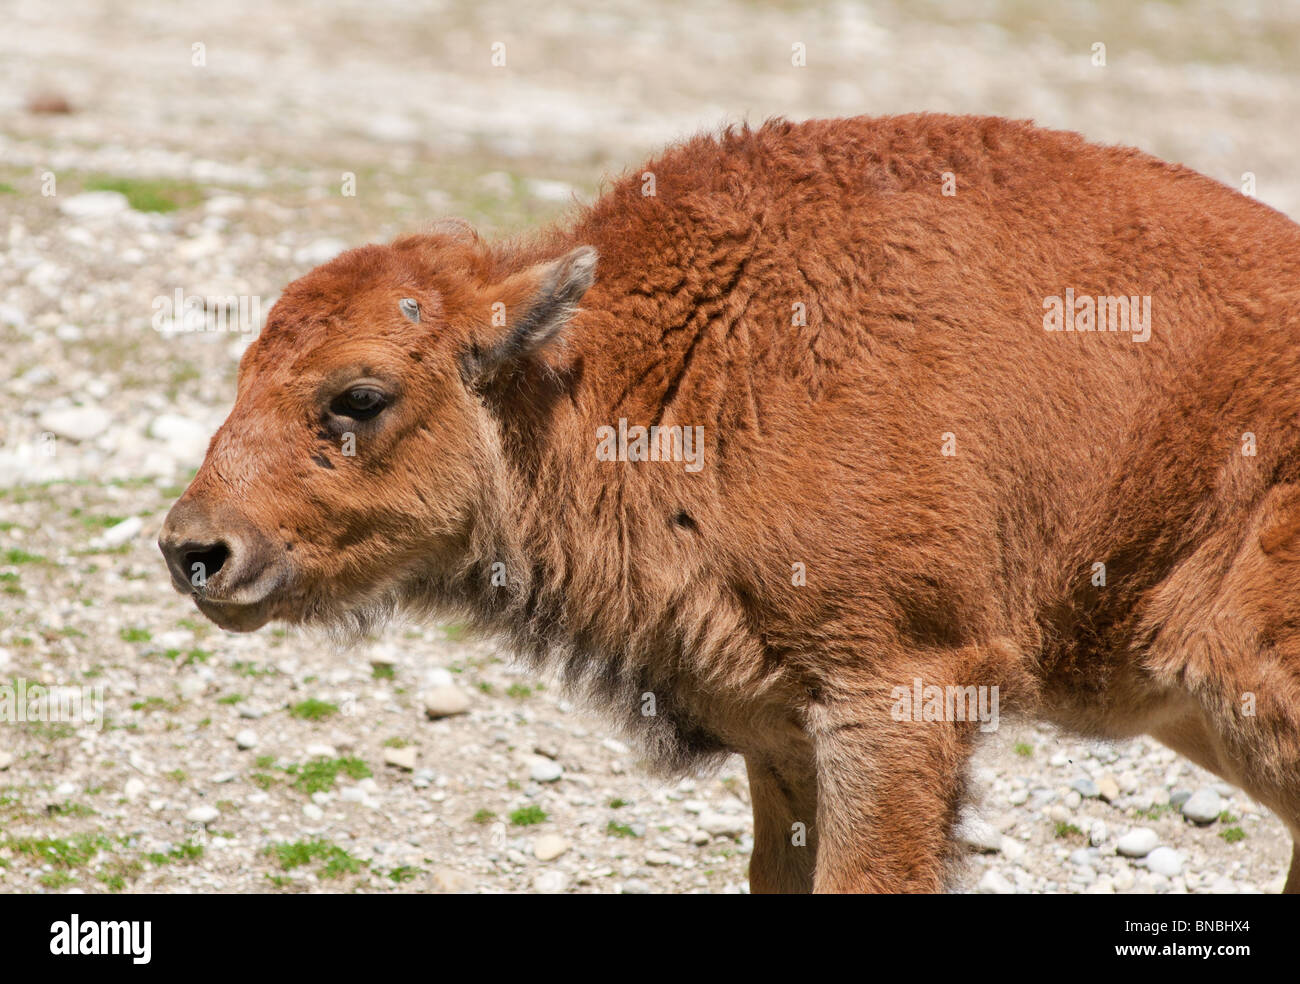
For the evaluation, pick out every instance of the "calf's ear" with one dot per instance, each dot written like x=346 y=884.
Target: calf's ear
x=532 y=310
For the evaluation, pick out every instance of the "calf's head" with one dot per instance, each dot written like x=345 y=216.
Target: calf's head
x=361 y=440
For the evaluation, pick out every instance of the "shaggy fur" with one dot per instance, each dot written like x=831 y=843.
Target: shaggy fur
x=808 y=296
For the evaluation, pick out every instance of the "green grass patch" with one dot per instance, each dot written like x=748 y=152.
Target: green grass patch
x=14 y=555
x=69 y=809
x=117 y=873
x=185 y=852
x=150 y=194
x=335 y=862
x=61 y=852
x=1157 y=811
x=314 y=710
x=1068 y=831
x=527 y=816
x=616 y=829
x=252 y=669
x=319 y=775
x=150 y=704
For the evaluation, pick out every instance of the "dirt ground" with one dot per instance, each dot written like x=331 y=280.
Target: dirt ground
x=210 y=149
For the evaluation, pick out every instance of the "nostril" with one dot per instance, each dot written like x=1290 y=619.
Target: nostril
x=204 y=562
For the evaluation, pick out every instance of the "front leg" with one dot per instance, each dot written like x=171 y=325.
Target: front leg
x=783 y=793
x=888 y=795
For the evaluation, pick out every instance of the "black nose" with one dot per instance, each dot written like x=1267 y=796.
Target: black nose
x=217 y=554
x=198 y=561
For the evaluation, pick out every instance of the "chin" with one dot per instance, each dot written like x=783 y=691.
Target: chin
x=236 y=618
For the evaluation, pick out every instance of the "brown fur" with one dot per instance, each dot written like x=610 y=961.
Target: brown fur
x=924 y=317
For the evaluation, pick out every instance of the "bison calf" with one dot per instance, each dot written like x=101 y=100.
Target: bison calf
x=865 y=432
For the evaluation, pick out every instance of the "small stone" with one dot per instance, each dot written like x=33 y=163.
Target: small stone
x=65 y=789
x=1178 y=797
x=187 y=439
x=549 y=847
x=6 y=760
x=1107 y=788
x=121 y=533
x=1165 y=861
x=1085 y=857
x=313 y=812
x=662 y=859
x=441 y=702
x=544 y=770
x=993 y=883
x=1097 y=833
x=250 y=712
x=1012 y=849
x=1124 y=880
x=722 y=824
x=203 y=814
x=1086 y=788
x=75 y=423
x=402 y=758
x=1019 y=796
x=437 y=676
x=94 y=204
x=635 y=886
x=551 y=882
x=320 y=750
x=246 y=739
x=133 y=789
x=1223 y=885
x=1137 y=843
x=1102 y=886
x=1203 y=806
x=1073 y=799
x=449 y=881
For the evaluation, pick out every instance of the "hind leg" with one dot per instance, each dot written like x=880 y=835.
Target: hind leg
x=1292 y=886
x=1228 y=655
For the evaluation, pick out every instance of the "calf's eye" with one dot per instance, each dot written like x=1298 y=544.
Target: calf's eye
x=360 y=403
x=410 y=308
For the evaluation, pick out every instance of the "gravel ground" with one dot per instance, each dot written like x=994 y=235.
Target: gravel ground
x=424 y=761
